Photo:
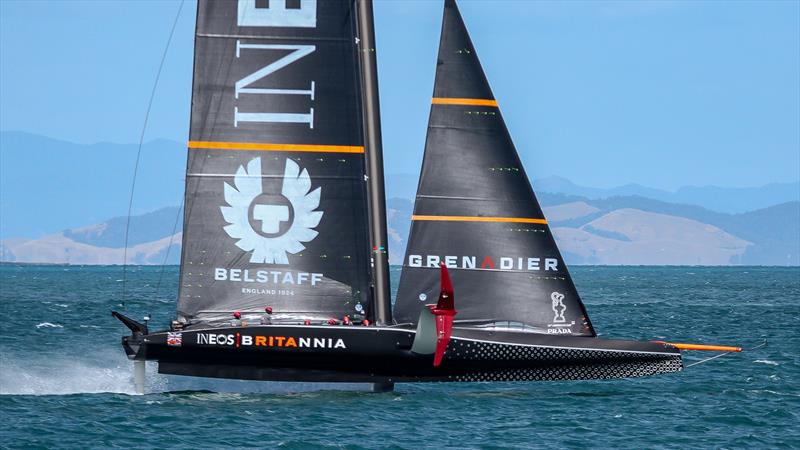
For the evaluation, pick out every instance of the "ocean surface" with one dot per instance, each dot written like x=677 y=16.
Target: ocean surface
x=64 y=381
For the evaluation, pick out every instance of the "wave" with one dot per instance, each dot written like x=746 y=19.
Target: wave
x=49 y=325
x=767 y=362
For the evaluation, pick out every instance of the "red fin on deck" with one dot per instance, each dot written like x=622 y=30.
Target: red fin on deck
x=444 y=312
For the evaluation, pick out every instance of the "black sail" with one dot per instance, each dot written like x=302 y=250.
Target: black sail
x=275 y=196
x=476 y=212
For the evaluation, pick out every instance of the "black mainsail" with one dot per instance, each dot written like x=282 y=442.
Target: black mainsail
x=476 y=212
x=276 y=206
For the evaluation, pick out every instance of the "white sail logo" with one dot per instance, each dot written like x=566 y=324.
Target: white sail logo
x=559 y=324
x=256 y=13
x=273 y=13
x=286 y=220
x=558 y=307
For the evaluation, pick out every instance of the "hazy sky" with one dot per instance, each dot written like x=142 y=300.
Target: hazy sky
x=603 y=93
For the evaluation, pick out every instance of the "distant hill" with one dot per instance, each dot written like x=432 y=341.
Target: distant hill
x=150 y=236
x=620 y=230
x=714 y=198
x=48 y=185
x=632 y=236
x=59 y=249
x=773 y=231
x=144 y=228
x=636 y=230
x=722 y=199
x=56 y=198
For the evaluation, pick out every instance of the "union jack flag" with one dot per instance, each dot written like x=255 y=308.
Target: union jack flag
x=174 y=339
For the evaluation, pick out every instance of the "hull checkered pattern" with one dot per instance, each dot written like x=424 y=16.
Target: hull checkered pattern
x=558 y=363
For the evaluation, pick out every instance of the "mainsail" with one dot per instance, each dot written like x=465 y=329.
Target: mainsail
x=276 y=210
x=476 y=212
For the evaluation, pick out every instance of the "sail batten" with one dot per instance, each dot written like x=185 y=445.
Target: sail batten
x=464 y=101
x=476 y=213
x=479 y=218
x=277 y=147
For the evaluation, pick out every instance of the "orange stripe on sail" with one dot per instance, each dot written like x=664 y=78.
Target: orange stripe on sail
x=478 y=219
x=277 y=147
x=463 y=101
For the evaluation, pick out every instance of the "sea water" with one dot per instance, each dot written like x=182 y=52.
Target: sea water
x=65 y=381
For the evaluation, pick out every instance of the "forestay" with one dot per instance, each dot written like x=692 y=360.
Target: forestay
x=475 y=211
x=275 y=193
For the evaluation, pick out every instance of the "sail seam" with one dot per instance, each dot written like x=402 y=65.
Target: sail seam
x=253 y=146
x=450 y=197
x=478 y=219
x=227 y=175
x=275 y=38
x=463 y=101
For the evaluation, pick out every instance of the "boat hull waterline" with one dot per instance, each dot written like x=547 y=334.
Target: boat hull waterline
x=383 y=354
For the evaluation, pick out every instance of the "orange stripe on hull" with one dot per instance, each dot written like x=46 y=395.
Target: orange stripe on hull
x=463 y=101
x=276 y=147
x=478 y=219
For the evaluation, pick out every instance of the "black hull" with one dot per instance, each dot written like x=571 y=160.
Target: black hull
x=383 y=355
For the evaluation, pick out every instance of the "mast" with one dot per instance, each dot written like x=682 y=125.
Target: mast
x=374 y=157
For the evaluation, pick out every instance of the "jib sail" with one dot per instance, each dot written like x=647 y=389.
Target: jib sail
x=476 y=212
x=275 y=196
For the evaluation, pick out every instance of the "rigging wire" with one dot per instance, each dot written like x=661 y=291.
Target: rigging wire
x=763 y=344
x=169 y=246
x=139 y=152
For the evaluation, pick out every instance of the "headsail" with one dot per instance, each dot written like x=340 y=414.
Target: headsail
x=476 y=212
x=275 y=193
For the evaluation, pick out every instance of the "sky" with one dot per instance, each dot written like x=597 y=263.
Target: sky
x=604 y=93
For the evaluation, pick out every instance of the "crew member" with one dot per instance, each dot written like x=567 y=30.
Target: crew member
x=237 y=319
x=266 y=319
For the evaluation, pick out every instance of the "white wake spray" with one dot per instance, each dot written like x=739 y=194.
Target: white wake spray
x=63 y=375
x=112 y=372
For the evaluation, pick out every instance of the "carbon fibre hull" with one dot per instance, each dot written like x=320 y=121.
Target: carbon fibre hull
x=383 y=354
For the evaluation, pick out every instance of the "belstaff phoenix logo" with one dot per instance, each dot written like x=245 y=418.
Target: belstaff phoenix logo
x=271 y=225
